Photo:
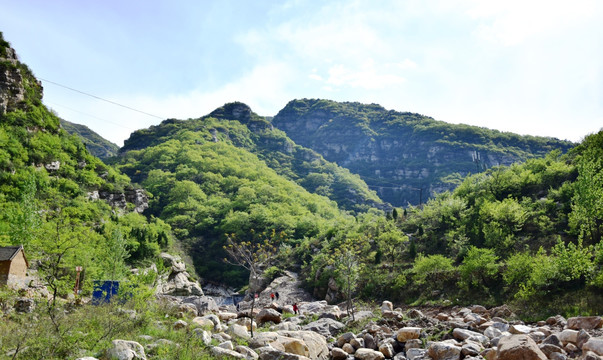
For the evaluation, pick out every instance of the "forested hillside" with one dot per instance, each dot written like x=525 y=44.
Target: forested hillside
x=63 y=204
x=405 y=157
x=95 y=144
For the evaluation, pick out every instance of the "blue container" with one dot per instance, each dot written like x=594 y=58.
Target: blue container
x=104 y=290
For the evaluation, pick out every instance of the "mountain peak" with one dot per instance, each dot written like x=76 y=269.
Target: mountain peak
x=235 y=111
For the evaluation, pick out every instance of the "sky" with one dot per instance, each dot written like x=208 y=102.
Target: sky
x=525 y=66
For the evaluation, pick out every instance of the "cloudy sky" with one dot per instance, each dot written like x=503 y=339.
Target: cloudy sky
x=530 y=67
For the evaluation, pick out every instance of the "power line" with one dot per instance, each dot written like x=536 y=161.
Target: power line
x=100 y=98
x=90 y=115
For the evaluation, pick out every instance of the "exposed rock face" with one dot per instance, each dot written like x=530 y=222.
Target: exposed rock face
x=120 y=200
x=388 y=147
x=178 y=281
x=12 y=80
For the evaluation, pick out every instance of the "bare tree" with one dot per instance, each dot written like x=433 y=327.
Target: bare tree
x=253 y=256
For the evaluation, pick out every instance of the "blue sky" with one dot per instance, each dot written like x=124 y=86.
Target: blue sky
x=530 y=67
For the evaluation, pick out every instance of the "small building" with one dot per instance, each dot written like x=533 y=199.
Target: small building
x=13 y=265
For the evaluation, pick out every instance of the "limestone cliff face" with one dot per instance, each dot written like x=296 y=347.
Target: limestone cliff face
x=404 y=157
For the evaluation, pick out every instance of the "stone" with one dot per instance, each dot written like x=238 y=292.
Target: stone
x=557 y=356
x=357 y=343
x=238 y=331
x=471 y=348
x=408 y=333
x=490 y=353
x=413 y=344
x=502 y=311
x=266 y=315
x=519 y=347
x=188 y=309
x=325 y=327
x=520 y=329
x=370 y=342
x=462 y=334
x=24 y=305
x=270 y=353
x=348 y=348
x=345 y=338
x=442 y=317
x=387 y=350
x=582 y=337
x=595 y=345
x=125 y=350
x=548 y=349
x=553 y=339
x=247 y=352
x=440 y=350
x=225 y=316
x=204 y=304
x=295 y=346
x=415 y=353
x=338 y=354
x=415 y=314
x=491 y=332
x=387 y=306
x=589 y=355
x=368 y=354
x=478 y=309
x=584 y=322
x=219 y=352
x=568 y=336
x=537 y=336
x=180 y=324
x=227 y=345
x=204 y=335
x=317 y=344
x=203 y=322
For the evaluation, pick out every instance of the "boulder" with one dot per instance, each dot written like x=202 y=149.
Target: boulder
x=295 y=346
x=204 y=304
x=520 y=329
x=266 y=315
x=225 y=316
x=348 y=348
x=568 y=336
x=204 y=335
x=357 y=343
x=125 y=350
x=387 y=306
x=345 y=338
x=270 y=353
x=556 y=320
x=238 y=331
x=180 y=324
x=595 y=345
x=219 y=352
x=584 y=322
x=387 y=350
x=338 y=354
x=442 y=350
x=471 y=348
x=462 y=334
x=24 y=305
x=416 y=353
x=247 y=352
x=316 y=343
x=502 y=311
x=408 y=333
x=519 y=347
x=582 y=338
x=325 y=327
x=368 y=354
x=548 y=349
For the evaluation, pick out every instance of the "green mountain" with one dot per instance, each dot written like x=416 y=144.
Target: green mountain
x=96 y=144
x=65 y=205
x=404 y=157
x=236 y=124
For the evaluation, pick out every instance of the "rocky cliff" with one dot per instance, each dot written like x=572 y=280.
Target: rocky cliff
x=404 y=157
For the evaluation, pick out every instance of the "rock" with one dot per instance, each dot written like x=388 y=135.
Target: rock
x=219 y=352
x=478 y=309
x=203 y=322
x=415 y=353
x=492 y=332
x=502 y=311
x=557 y=356
x=415 y=314
x=189 y=309
x=205 y=336
x=490 y=353
x=408 y=333
x=520 y=329
x=387 y=306
x=584 y=322
x=204 y=304
x=471 y=348
x=387 y=350
x=24 y=305
x=225 y=316
x=348 y=348
x=247 y=352
x=582 y=337
x=238 y=331
x=125 y=350
x=270 y=353
x=227 y=345
x=180 y=324
x=338 y=354
x=556 y=320
x=548 y=349
x=370 y=342
x=553 y=340
x=345 y=338
x=568 y=336
x=589 y=355
x=595 y=345
x=442 y=317
x=177 y=282
x=462 y=334
x=317 y=344
x=413 y=344
x=444 y=351
x=357 y=343
x=325 y=327
x=519 y=347
x=295 y=346
x=266 y=315
x=368 y=354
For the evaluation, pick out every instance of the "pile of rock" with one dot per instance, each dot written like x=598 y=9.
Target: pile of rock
x=470 y=334
x=178 y=281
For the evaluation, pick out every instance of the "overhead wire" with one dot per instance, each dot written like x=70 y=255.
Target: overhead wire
x=103 y=99
x=92 y=116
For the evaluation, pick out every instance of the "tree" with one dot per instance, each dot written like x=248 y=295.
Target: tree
x=253 y=256
x=348 y=273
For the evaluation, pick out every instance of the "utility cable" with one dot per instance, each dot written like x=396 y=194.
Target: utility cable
x=100 y=98
x=90 y=115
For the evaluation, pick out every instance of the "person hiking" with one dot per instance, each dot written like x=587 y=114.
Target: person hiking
x=295 y=309
x=276 y=294
x=272 y=296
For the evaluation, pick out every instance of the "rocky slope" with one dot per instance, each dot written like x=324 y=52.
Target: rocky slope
x=403 y=156
x=96 y=144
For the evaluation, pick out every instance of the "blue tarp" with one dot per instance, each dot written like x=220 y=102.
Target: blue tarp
x=104 y=290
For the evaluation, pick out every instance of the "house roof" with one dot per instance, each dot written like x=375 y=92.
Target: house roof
x=9 y=252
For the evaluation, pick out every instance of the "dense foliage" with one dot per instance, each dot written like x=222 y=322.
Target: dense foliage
x=528 y=234
x=405 y=157
x=46 y=178
x=96 y=145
